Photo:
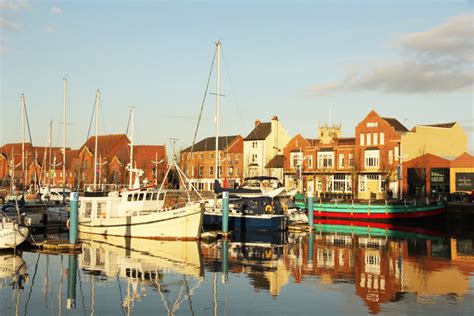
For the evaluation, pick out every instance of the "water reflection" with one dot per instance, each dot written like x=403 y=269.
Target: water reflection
x=340 y=268
x=144 y=264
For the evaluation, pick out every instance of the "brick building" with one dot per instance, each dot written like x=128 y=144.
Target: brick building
x=198 y=162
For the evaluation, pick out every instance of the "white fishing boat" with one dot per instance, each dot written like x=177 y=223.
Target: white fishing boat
x=144 y=212
x=11 y=233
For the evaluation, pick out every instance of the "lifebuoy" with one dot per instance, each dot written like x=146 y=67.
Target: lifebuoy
x=67 y=223
x=268 y=254
x=268 y=208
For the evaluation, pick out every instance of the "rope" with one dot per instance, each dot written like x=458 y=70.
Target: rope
x=203 y=100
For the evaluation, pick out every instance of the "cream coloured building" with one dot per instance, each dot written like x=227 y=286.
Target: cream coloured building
x=265 y=142
x=445 y=140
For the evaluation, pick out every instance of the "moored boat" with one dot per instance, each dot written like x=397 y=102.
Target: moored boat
x=12 y=233
x=378 y=210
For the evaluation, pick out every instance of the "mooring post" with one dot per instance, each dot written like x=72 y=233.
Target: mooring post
x=310 y=209
x=225 y=212
x=73 y=209
x=71 y=282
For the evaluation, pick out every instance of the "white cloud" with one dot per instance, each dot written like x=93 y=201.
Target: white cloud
x=8 y=26
x=56 y=11
x=435 y=61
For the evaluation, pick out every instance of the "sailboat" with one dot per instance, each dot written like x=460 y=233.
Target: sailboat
x=13 y=231
x=251 y=209
x=144 y=212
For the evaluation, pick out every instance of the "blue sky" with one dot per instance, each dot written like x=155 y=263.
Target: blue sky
x=308 y=62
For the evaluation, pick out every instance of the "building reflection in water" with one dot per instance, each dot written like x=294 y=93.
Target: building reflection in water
x=163 y=266
x=384 y=261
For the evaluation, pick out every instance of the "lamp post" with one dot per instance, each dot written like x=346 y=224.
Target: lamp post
x=156 y=162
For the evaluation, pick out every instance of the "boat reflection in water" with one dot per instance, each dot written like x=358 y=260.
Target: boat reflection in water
x=13 y=269
x=163 y=266
x=385 y=262
x=259 y=255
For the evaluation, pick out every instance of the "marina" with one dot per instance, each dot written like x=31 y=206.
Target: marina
x=374 y=269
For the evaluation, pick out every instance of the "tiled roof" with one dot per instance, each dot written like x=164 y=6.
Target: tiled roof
x=260 y=132
x=145 y=155
x=442 y=125
x=346 y=141
x=110 y=145
x=395 y=124
x=276 y=162
x=210 y=143
x=464 y=160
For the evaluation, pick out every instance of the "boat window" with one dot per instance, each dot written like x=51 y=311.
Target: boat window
x=88 y=210
x=140 y=197
x=129 y=197
x=155 y=195
x=162 y=196
x=148 y=196
x=135 y=196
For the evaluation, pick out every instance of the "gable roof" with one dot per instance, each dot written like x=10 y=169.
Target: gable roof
x=464 y=160
x=260 y=132
x=276 y=162
x=210 y=144
x=395 y=124
x=109 y=146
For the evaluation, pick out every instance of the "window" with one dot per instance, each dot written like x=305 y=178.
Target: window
x=369 y=139
x=376 y=140
x=237 y=156
x=397 y=154
x=148 y=196
x=351 y=160
x=211 y=155
x=362 y=143
x=154 y=196
x=219 y=173
x=325 y=159
x=88 y=210
x=390 y=157
x=211 y=170
x=230 y=171
x=382 y=138
x=201 y=170
x=341 y=160
x=135 y=197
x=129 y=197
x=371 y=158
x=310 y=161
x=295 y=159
x=362 y=183
x=254 y=144
x=161 y=196
x=140 y=197
x=341 y=183
x=254 y=158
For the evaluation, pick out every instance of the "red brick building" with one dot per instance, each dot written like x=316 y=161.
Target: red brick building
x=198 y=162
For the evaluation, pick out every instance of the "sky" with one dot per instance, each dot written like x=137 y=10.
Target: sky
x=308 y=62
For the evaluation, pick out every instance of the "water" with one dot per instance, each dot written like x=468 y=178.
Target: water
x=338 y=270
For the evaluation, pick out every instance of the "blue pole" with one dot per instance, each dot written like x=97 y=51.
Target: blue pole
x=71 y=282
x=73 y=209
x=310 y=247
x=225 y=212
x=310 y=209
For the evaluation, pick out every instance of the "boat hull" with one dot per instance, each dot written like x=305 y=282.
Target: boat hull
x=246 y=222
x=179 y=224
x=12 y=235
x=377 y=212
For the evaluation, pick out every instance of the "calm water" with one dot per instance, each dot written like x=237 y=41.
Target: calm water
x=338 y=270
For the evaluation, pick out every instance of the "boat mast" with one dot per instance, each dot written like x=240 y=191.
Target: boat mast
x=218 y=48
x=50 y=139
x=22 y=98
x=132 y=118
x=96 y=135
x=64 y=136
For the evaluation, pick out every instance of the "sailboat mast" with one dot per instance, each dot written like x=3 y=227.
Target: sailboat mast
x=96 y=135
x=64 y=135
x=22 y=98
x=50 y=140
x=218 y=48
x=132 y=118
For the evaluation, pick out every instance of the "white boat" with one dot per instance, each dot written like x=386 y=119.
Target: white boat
x=11 y=233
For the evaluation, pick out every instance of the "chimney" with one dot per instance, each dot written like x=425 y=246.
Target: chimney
x=274 y=118
x=257 y=123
